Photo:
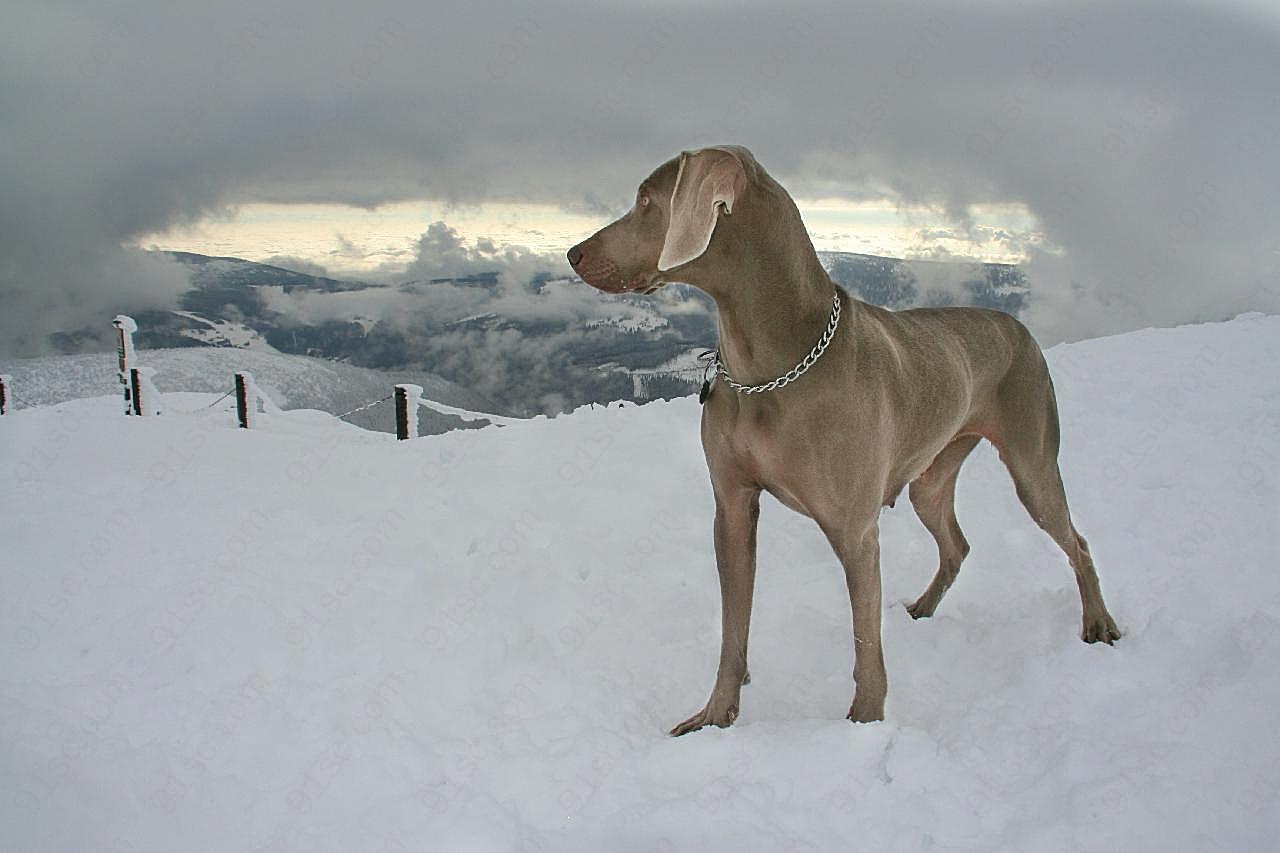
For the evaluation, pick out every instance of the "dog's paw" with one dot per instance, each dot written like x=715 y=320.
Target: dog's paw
x=923 y=607
x=707 y=717
x=1100 y=630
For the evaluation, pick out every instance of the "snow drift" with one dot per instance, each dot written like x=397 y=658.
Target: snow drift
x=312 y=637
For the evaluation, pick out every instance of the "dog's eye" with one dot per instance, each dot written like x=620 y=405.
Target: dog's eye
x=642 y=202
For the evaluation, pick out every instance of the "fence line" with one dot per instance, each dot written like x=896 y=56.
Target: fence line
x=141 y=397
x=408 y=399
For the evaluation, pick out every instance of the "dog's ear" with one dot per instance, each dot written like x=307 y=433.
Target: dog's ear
x=707 y=178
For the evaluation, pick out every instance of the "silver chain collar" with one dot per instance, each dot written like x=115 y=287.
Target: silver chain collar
x=794 y=373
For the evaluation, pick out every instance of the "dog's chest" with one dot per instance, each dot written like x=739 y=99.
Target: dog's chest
x=777 y=454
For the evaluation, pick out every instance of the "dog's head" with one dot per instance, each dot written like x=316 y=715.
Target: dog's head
x=675 y=224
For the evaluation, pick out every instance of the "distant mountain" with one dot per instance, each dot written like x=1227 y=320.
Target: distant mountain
x=224 y=307
x=895 y=283
x=547 y=344
x=543 y=345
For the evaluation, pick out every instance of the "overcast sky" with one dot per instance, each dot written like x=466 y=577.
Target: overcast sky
x=1141 y=137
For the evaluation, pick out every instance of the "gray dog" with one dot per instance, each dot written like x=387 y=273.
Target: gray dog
x=883 y=399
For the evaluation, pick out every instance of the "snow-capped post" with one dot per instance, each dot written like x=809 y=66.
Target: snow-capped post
x=125 y=327
x=4 y=393
x=407 y=399
x=146 y=397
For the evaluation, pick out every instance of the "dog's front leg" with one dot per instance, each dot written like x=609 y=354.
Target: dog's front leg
x=858 y=547
x=737 y=514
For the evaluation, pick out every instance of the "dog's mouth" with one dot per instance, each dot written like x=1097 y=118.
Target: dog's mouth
x=643 y=284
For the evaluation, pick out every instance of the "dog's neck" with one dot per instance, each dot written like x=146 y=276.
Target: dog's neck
x=777 y=307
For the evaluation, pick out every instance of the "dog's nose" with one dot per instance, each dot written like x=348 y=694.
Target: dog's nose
x=574 y=255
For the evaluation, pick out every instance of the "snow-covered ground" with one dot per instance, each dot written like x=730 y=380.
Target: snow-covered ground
x=311 y=637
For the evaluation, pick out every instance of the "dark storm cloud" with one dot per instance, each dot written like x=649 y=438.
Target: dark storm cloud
x=1141 y=135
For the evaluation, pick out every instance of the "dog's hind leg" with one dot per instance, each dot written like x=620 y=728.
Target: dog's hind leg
x=1039 y=486
x=933 y=498
x=1028 y=446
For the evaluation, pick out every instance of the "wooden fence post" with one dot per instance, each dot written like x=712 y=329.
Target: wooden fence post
x=125 y=327
x=4 y=393
x=146 y=397
x=402 y=414
x=242 y=400
x=134 y=386
x=407 y=397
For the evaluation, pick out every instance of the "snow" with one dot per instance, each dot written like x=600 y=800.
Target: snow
x=255 y=401
x=227 y=332
x=312 y=637
x=687 y=365
x=639 y=320
x=462 y=414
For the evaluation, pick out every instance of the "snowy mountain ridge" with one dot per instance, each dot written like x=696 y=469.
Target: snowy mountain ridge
x=532 y=341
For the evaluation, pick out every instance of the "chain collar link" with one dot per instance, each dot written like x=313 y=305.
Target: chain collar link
x=794 y=373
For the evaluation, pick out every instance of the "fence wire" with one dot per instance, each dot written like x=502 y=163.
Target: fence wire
x=220 y=399
x=366 y=406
